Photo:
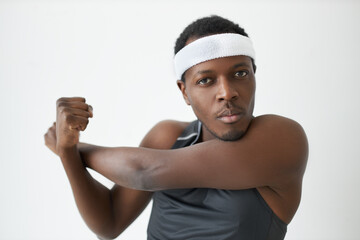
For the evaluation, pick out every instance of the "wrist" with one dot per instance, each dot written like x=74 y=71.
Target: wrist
x=64 y=151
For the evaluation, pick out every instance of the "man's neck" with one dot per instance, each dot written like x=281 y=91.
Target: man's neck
x=205 y=135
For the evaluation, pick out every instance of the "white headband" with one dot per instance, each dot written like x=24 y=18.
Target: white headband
x=211 y=47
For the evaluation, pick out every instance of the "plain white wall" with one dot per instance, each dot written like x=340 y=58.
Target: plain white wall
x=118 y=54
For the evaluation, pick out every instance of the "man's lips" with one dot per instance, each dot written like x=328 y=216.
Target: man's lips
x=230 y=116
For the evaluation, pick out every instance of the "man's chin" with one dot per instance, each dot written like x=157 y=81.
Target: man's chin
x=230 y=136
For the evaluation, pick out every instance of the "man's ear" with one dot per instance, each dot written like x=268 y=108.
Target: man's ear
x=182 y=88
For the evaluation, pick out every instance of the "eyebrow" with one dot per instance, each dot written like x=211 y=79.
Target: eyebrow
x=204 y=71
x=242 y=64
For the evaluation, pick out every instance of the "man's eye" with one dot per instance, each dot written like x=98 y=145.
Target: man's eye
x=204 y=81
x=241 y=74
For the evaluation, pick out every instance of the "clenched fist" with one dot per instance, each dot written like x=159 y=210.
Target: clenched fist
x=72 y=116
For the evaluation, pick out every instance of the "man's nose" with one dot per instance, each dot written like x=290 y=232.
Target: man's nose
x=226 y=91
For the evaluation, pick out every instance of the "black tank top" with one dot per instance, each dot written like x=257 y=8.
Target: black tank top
x=206 y=213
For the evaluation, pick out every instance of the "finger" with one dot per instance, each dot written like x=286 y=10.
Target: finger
x=78 y=105
x=51 y=129
x=50 y=135
x=76 y=112
x=45 y=139
x=71 y=99
x=91 y=112
x=53 y=126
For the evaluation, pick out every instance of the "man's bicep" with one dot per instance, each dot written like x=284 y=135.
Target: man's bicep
x=267 y=155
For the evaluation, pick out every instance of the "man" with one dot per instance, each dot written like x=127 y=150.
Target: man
x=228 y=175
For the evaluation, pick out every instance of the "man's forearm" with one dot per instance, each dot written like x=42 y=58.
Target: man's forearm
x=92 y=198
x=126 y=166
x=89 y=152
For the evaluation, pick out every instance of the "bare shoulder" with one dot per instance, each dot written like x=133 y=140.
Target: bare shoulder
x=285 y=135
x=164 y=134
x=282 y=126
x=278 y=121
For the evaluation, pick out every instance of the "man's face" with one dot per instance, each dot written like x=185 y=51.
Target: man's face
x=221 y=93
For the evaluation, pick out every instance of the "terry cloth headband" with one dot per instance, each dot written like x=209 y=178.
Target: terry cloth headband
x=211 y=47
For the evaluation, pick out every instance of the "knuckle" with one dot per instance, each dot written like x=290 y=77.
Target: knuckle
x=61 y=109
x=62 y=104
x=62 y=99
x=65 y=110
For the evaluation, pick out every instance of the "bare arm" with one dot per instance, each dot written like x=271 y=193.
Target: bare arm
x=272 y=153
x=106 y=212
x=92 y=198
x=129 y=203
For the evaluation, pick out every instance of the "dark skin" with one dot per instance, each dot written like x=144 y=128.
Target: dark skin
x=236 y=151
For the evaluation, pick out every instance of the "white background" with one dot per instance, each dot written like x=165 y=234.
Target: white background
x=118 y=54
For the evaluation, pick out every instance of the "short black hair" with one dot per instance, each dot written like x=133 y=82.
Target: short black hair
x=208 y=26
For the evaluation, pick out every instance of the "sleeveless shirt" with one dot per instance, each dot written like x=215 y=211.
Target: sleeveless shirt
x=211 y=214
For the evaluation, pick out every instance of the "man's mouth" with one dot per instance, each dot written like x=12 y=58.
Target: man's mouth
x=230 y=116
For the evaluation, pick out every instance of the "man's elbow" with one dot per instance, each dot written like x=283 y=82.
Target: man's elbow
x=145 y=177
x=107 y=237
x=144 y=180
x=108 y=233
x=140 y=173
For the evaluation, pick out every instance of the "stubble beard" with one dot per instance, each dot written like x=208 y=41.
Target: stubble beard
x=229 y=136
